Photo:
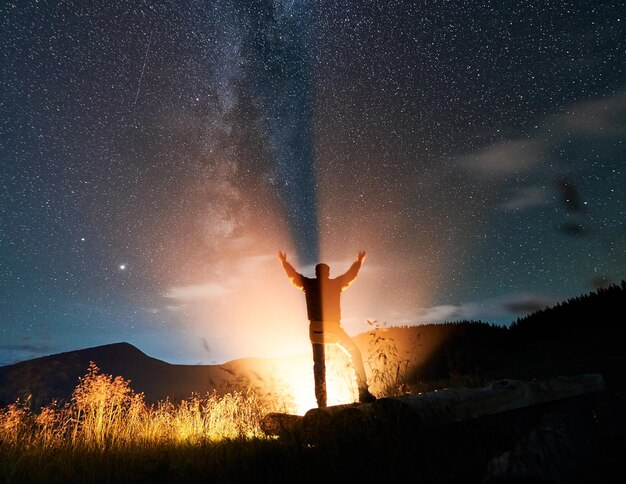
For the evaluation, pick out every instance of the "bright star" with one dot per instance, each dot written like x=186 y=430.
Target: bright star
x=122 y=267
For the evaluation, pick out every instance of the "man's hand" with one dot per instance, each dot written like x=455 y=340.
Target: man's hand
x=361 y=256
x=282 y=256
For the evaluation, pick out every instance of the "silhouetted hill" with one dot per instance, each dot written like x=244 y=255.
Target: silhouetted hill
x=599 y=312
x=580 y=335
x=55 y=376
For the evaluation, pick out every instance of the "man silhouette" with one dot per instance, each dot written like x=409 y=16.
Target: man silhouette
x=324 y=312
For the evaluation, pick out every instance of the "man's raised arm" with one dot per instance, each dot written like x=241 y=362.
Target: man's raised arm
x=348 y=278
x=295 y=278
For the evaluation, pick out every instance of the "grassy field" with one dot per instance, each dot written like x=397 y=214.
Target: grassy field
x=104 y=412
x=107 y=433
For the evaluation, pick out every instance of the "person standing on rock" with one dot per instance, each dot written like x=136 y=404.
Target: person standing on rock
x=323 y=296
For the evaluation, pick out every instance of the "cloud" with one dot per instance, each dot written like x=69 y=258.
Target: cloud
x=599 y=117
x=242 y=270
x=25 y=347
x=501 y=307
x=605 y=116
x=196 y=292
x=504 y=158
x=444 y=312
x=151 y=310
x=254 y=263
x=600 y=282
x=16 y=352
x=175 y=308
x=526 y=197
x=527 y=303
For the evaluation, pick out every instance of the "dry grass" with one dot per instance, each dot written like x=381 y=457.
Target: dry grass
x=389 y=369
x=104 y=412
x=107 y=433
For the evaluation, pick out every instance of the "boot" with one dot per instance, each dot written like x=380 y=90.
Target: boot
x=365 y=396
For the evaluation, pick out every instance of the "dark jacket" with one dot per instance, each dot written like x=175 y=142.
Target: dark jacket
x=322 y=295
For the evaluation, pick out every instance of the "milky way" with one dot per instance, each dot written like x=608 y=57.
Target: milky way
x=155 y=156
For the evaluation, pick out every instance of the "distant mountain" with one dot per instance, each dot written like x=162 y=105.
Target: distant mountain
x=42 y=380
x=55 y=376
x=581 y=335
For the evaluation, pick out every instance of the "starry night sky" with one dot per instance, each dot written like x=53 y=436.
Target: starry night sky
x=154 y=156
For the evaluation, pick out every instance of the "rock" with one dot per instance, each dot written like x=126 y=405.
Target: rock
x=428 y=410
x=457 y=404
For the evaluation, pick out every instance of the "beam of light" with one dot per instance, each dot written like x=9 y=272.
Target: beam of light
x=284 y=92
x=326 y=222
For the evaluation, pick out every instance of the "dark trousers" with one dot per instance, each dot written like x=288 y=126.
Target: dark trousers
x=339 y=337
x=319 y=373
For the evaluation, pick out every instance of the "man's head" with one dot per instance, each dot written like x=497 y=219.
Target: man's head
x=322 y=271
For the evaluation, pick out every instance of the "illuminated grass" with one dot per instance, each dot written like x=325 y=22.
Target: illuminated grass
x=107 y=433
x=104 y=412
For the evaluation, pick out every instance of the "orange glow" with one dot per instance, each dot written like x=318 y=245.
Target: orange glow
x=297 y=387
x=231 y=295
